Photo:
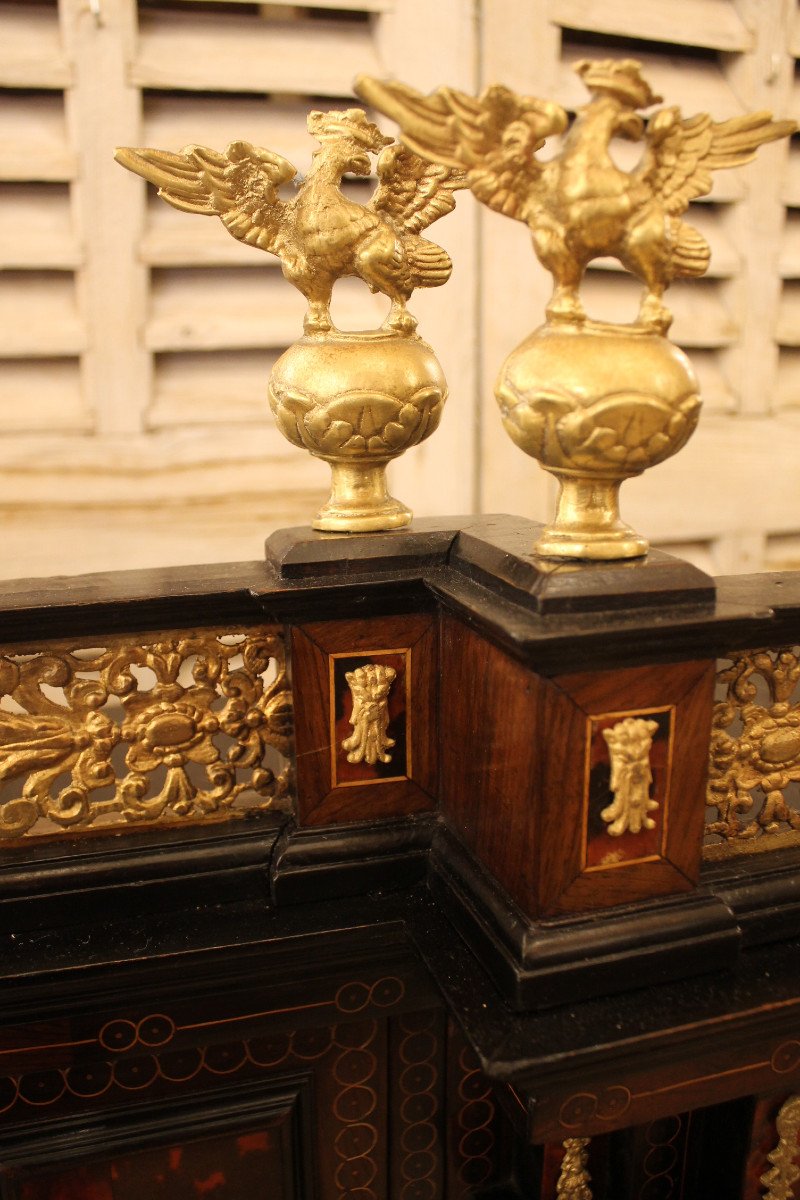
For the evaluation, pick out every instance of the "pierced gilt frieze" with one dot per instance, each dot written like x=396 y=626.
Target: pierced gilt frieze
x=782 y=1177
x=754 y=766
x=169 y=728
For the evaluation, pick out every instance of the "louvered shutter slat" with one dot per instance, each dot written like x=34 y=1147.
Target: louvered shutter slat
x=236 y=54
x=31 y=51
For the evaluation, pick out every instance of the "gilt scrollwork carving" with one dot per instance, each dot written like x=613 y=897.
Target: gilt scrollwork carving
x=784 y=1173
x=755 y=752
x=369 y=687
x=574 y=1178
x=160 y=728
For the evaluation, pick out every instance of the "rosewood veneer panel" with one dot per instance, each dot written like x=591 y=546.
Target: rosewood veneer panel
x=523 y=784
x=329 y=788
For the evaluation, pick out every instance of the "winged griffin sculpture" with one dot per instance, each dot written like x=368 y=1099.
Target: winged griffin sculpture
x=319 y=234
x=354 y=398
x=579 y=205
x=593 y=401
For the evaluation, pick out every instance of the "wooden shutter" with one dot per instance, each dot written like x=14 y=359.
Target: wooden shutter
x=137 y=341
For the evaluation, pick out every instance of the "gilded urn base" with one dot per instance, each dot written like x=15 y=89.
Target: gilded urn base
x=596 y=404
x=358 y=400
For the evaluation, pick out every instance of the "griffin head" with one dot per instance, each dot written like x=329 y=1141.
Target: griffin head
x=620 y=78
x=349 y=136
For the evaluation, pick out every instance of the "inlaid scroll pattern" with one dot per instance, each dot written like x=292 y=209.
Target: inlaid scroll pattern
x=755 y=751
x=165 y=728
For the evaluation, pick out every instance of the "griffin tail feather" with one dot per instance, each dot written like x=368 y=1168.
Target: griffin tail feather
x=691 y=253
x=431 y=264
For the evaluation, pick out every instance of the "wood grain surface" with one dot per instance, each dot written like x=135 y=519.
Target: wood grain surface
x=515 y=780
x=319 y=800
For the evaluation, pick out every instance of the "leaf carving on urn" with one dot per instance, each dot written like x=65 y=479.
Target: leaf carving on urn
x=629 y=743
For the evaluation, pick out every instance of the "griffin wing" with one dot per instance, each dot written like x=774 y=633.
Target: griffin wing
x=682 y=154
x=413 y=192
x=240 y=186
x=493 y=138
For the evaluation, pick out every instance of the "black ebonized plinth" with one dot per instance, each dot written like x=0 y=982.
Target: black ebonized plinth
x=496 y=551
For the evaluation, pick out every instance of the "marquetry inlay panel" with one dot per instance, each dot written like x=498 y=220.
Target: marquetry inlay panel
x=173 y=727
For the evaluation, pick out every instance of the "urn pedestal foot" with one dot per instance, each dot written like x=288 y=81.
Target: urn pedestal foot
x=359 y=501
x=587 y=524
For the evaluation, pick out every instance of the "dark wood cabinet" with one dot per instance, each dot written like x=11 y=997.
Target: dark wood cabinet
x=382 y=869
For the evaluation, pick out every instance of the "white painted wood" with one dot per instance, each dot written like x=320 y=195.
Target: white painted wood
x=104 y=111
x=196 y=309
x=372 y=6
x=39 y=315
x=136 y=341
x=210 y=388
x=31 y=50
x=33 y=138
x=240 y=54
x=713 y=23
x=175 y=120
x=42 y=395
x=36 y=229
x=790 y=192
x=788 y=326
x=763 y=80
x=787 y=387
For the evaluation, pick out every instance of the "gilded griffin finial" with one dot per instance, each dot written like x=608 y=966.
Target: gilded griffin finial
x=319 y=234
x=359 y=398
x=579 y=205
x=594 y=402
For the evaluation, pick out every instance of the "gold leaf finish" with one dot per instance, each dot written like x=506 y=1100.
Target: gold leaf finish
x=355 y=399
x=358 y=400
x=593 y=402
x=629 y=743
x=755 y=753
x=370 y=687
x=162 y=728
x=780 y=1179
x=319 y=234
x=574 y=1178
